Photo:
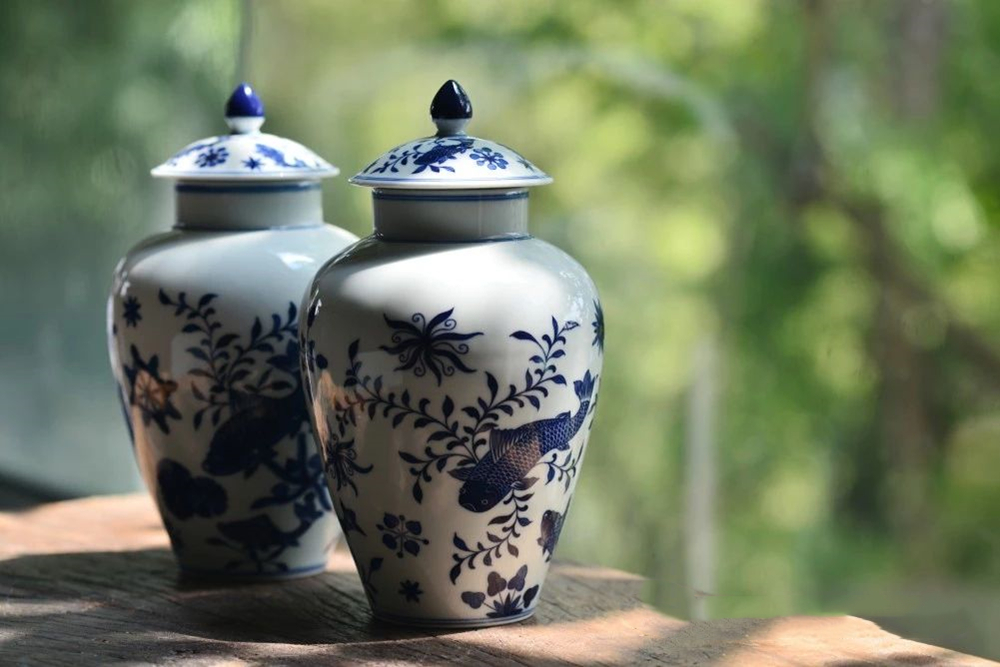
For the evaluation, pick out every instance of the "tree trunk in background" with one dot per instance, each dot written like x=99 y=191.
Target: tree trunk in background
x=917 y=34
x=903 y=426
x=701 y=479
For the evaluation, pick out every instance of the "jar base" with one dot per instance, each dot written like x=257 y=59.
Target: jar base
x=200 y=574
x=452 y=623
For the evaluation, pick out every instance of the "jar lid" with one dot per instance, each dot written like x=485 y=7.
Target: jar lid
x=245 y=153
x=451 y=159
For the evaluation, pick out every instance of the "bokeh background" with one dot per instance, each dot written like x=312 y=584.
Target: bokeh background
x=791 y=209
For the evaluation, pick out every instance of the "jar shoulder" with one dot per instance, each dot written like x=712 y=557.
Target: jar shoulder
x=193 y=257
x=487 y=285
x=522 y=263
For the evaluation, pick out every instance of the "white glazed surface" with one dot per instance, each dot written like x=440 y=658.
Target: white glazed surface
x=257 y=156
x=451 y=161
x=488 y=288
x=254 y=275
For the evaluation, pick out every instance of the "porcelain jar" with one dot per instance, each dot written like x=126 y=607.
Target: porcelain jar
x=452 y=363
x=203 y=336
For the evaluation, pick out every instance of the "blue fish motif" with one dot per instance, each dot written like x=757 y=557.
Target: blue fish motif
x=442 y=151
x=514 y=452
x=256 y=425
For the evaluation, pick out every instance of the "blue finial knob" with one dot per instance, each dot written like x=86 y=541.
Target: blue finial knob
x=451 y=109
x=244 y=110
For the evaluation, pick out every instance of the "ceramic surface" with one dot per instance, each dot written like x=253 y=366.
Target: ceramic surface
x=451 y=159
x=245 y=153
x=203 y=336
x=452 y=365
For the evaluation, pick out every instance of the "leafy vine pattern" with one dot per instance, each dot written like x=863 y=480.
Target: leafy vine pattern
x=252 y=410
x=194 y=148
x=218 y=152
x=508 y=530
x=466 y=442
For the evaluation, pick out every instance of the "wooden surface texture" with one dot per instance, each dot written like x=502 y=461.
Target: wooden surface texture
x=92 y=581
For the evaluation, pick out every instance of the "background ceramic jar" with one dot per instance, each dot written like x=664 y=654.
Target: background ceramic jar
x=203 y=336
x=453 y=363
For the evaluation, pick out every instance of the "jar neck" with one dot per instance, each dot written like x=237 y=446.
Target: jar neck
x=450 y=215
x=234 y=206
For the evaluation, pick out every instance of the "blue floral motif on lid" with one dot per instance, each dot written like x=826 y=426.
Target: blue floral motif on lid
x=451 y=157
x=246 y=152
x=244 y=102
x=485 y=155
x=212 y=157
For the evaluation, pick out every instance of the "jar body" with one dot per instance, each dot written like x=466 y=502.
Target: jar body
x=202 y=329
x=452 y=387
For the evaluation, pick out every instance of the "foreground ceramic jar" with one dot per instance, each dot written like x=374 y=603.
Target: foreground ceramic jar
x=203 y=334
x=453 y=364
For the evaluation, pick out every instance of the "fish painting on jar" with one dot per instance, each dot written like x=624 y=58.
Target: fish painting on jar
x=452 y=363
x=203 y=336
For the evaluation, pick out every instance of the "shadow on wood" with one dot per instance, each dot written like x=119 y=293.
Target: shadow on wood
x=99 y=606
x=92 y=582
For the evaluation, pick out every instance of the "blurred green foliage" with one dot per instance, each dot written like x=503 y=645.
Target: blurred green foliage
x=807 y=190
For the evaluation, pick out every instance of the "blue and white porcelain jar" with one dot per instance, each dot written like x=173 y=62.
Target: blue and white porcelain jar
x=203 y=334
x=452 y=362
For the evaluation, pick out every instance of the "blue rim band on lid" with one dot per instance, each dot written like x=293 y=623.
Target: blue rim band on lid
x=385 y=195
x=249 y=188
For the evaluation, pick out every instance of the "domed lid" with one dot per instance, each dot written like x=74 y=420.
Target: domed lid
x=451 y=159
x=245 y=153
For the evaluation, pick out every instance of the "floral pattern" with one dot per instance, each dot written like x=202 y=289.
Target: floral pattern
x=341 y=462
x=150 y=392
x=598 y=325
x=503 y=598
x=194 y=148
x=239 y=154
x=248 y=389
x=410 y=590
x=130 y=311
x=486 y=156
x=212 y=157
x=422 y=345
x=401 y=535
x=466 y=442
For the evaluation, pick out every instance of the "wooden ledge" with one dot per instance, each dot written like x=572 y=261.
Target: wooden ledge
x=92 y=581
